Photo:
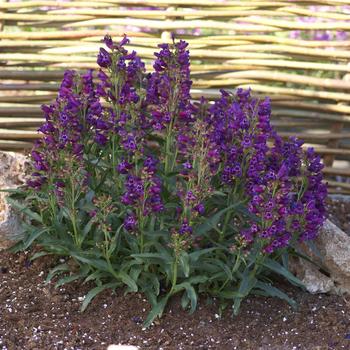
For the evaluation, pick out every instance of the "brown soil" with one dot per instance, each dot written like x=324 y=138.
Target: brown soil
x=34 y=315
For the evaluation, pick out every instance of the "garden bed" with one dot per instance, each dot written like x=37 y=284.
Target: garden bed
x=37 y=316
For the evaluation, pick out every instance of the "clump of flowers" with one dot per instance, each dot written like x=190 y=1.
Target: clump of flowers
x=145 y=188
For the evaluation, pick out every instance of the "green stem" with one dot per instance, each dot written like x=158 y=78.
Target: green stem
x=142 y=242
x=114 y=165
x=75 y=229
x=174 y=277
x=168 y=142
x=140 y=219
x=52 y=206
x=73 y=217
x=107 y=256
x=224 y=228
x=227 y=218
x=167 y=153
x=235 y=267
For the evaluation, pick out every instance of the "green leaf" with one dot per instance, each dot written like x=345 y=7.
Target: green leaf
x=197 y=279
x=90 y=196
x=285 y=259
x=219 y=193
x=56 y=270
x=151 y=297
x=156 y=233
x=166 y=253
x=279 y=269
x=134 y=272
x=97 y=275
x=192 y=295
x=197 y=254
x=213 y=221
x=12 y=190
x=66 y=280
x=184 y=263
x=149 y=282
x=157 y=311
x=229 y=294
x=225 y=268
x=93 y=292
x=35 y=234
x=132 y=241
x=128 y=281
x=247 y=284
x=22 y=208
x=38 y=255
x=84 y=270
x=87 y=227
x=150 y=255
x=275 y=292
x=97 y=263
x=185 y=300
x=17 y=247
x=86 y=207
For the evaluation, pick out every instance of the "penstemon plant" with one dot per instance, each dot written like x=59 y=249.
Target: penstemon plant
x=143 y=188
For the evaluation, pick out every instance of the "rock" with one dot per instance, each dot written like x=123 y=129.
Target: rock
x=12 y=172
x=333 y=247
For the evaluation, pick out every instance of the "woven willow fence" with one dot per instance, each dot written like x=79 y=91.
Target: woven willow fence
x=233 y=43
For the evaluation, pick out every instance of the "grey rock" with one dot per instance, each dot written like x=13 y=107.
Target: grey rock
x=333 y=246
x=12 y=174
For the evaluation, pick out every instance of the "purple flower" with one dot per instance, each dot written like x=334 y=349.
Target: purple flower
x=187 y=165
x=104 y=58
x=150 y=164
x=101 y=139
x=190 y=197
x=185 y=228
x=130 y=222
x=200 y=209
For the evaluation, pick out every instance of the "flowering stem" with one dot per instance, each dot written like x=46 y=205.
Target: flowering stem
x=73 y=217
x=141 y=242
x=114 y=163
x=141 y=234
x=52 y=203
x=167 y=153
x=168 y=142
x=75 y=230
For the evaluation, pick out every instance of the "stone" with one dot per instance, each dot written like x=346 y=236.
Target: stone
x=333 y=254
x=12 y=173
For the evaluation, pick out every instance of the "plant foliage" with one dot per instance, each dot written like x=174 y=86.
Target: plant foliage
x=145 y=189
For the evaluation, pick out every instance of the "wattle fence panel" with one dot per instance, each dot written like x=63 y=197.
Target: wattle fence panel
x=297 y=52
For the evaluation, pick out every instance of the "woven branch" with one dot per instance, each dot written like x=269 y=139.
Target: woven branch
x=241 y=43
